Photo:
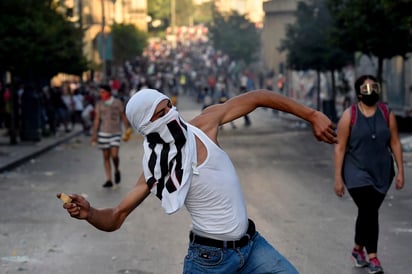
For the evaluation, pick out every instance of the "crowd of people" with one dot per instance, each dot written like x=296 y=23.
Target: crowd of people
x=192 y=67
x=35 y=112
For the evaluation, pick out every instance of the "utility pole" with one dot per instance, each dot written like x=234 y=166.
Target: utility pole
x=123 y=11
x=80 y=13
x=113 y=11
x=173 y=21
x=103 y=44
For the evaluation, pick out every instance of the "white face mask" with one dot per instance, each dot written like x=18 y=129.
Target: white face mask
x=161 y=124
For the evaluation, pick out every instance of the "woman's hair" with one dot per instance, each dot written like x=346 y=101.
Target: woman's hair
x=359 y=82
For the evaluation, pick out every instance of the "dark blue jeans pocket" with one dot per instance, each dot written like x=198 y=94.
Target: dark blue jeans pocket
x=205 y=256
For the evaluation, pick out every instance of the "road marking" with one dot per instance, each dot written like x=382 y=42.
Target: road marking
x=403 y=230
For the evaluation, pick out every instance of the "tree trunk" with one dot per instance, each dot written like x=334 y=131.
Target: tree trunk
x=333 y=85
x=318 y=89
x=380 y=70
x=333 y=97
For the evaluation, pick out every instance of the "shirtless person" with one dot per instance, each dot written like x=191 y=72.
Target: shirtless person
x=184 y=165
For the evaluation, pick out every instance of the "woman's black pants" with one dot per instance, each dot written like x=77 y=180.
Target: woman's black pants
x=368 y=200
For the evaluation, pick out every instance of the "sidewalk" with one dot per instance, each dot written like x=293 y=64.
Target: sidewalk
x=11 y=156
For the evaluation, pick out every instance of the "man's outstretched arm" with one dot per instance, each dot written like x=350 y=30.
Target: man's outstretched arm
x=107 y=219
x=238 y=106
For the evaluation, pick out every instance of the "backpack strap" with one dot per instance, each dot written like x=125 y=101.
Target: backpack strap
x=353 y=111
x=382 y=106
x=385 y=111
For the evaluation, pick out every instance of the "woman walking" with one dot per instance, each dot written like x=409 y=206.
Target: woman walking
x=367 y=139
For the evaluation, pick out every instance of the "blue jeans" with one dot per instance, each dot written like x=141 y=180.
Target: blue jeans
x=258 y=256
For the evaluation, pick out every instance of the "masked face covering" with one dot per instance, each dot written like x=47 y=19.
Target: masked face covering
x=169 y=148
x=370 y=93
x=104 y=95
x=370 y=100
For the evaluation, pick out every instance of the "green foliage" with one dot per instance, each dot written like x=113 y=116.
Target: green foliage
x=161 y=9
x=235 y=36
x=184 y=12
x=128 y=42
x=308 y=41
x=380 y=28
x=203 y=13
x=38 y=42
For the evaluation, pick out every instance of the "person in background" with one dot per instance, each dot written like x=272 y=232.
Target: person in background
x=78 y=107
x=207 y=98
x=2 y=107
x=7 y=108
x=367 y=139
x=68 y=101
x=107 y=132
x=88 y=114
x=243 y=89
x=61 y=108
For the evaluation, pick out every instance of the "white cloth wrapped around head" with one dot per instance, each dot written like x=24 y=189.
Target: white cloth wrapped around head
x=169 y=148
x=141 y=106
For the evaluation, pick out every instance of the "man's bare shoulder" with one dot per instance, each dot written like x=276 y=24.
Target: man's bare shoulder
x=199 y=121
x=206 y=123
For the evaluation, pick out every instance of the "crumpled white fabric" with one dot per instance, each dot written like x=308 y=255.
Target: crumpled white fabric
x=139 y=110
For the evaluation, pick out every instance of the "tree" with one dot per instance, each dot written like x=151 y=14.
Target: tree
x=203 y=13
x=128 y=42
x=38 y=42
x=380 y=28
x=161 y=10
x=184 y=12
x=235 y=36
x=308 y=44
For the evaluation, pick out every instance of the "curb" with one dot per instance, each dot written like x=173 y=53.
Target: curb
x=14 y=164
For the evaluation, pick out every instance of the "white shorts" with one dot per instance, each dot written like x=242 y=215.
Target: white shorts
x=108 y=140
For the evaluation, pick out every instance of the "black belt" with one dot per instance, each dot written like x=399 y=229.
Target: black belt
x=251 y=230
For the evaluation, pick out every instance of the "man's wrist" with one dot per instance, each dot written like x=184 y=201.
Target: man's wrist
x=90 y=214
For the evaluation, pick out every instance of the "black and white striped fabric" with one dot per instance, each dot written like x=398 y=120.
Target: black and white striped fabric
x=169 y=149
x=108 y=140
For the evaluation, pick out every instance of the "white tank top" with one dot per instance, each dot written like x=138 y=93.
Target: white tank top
x=215 y=200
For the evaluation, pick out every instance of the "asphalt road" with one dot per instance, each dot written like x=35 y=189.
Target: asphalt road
x=287 y=178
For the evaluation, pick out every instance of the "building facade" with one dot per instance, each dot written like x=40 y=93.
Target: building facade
x=278 y=14
x=96 y=17
x=397 y=72
x=253 y=9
